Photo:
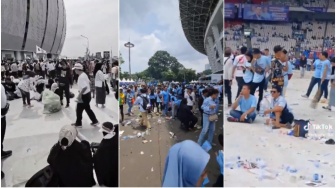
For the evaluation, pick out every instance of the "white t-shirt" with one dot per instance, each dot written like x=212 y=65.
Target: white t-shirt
x=83 y=81
x=114 y=72
x=51 y=66
x=189 y=101
x=239 y=63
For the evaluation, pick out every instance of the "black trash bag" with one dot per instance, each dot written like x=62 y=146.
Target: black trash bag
x=72 y=95
x=43 y=178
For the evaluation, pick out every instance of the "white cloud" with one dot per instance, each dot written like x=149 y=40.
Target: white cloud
x=97 y=20
x=164 y=33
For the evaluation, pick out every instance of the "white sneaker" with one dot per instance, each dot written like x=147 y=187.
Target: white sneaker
x=304 y=96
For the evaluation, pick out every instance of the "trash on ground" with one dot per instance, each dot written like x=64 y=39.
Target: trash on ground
x=150 y=140
x=121 y=132
x=171 y=134
x=152 y=169
x=144 y=141
x=141 y=152
x=139 y=135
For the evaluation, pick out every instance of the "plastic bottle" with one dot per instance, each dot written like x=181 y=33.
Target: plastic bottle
x=264 y=105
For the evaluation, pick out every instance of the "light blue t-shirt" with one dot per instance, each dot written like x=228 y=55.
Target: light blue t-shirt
x=262 y=62
x=165 y=95
x=248 y=75
x=327 y=64
x=246 y=104
x=318 y=66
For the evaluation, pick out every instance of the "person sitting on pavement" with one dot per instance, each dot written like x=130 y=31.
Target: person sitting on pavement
x=247 y=104
x=279 y=112
x=185 y=115
x=71 y=160
x=105 y=159
x=185 y=165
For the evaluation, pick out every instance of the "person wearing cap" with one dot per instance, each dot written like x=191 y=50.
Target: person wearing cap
x=71 y=160
x=84 y=97
x=318 y=68
x=279 y=112
x=106 y=158
x=144 y=113
x=260 y=66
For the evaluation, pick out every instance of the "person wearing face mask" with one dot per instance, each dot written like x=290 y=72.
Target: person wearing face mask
x=71 y=160
x=185 y=165
x=106 y=157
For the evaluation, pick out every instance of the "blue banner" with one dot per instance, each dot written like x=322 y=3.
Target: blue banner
x=316 y=9
x=265 y=12
x=229 y=10
x=240 y=11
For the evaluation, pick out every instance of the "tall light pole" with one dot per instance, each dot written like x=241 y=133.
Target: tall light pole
x=129 y=45
x=88 y=45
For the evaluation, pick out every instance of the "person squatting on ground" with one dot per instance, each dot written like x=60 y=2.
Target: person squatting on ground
x=247 y=104
x=185 y=115
x=106 y=159
x=279 y=112
x=72 y=161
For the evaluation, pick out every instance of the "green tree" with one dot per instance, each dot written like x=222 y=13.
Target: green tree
x=207 y=72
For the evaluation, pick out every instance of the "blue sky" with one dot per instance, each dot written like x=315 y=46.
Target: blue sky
x=151 y=26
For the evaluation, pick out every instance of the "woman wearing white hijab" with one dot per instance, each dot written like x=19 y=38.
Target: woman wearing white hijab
x=71 y=160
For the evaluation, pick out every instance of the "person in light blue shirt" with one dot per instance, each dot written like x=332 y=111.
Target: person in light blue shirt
x=325 y=77
x=129 y=98
x=144 y=113
x=165 y=96
x=247 y=104
x=209 y=107
x=318 y=67
x=260 y=65
x=158 y=96
x=248 y=74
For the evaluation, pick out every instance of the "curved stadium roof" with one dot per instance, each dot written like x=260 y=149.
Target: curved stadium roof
x=195 y=15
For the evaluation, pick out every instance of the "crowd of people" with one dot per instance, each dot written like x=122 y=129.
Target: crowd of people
x=254 y=71
x=71 y=162
x=181 y=102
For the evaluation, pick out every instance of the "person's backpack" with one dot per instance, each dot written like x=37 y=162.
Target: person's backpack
x=43 y=178
x=145 y=104
x=301 y=128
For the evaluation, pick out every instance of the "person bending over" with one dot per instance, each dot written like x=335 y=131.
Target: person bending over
x=247 y=104
x=186 y=116
x=279 y=113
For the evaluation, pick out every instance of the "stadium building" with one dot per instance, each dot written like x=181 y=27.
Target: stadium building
x=28 y=26
x=202 y=23
x=303 y=27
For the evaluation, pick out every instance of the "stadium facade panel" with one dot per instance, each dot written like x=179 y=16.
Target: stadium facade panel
x=202 y=23
x=30 y=23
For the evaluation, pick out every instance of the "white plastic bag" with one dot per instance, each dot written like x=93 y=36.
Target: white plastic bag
x=51 y=102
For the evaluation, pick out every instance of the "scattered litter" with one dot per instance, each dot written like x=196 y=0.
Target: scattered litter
x=144 y=141
x=141 y=152
x=152 y=169
x=121 y=132
x=135 y=132
x=151 y=155
x=150 y=140
x=143 y=134
x=128 y=122
x=171 y=134
x=139 y=135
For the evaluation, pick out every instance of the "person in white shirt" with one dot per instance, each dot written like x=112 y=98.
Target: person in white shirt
x=4 y=110
x=100 y=79
x=43 y=68
x=51 y=69
x=25 y=85
x=190 y=96
x=20 y=69
x=238 y=67
x=115 y=75
x=84 y=97
x=228 y=74
x=14 y=69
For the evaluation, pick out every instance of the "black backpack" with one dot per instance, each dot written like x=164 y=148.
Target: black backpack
x=145 y=103
x=43 y=178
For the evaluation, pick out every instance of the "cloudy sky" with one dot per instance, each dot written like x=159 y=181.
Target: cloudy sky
x=155 y=25
x=95 y=19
